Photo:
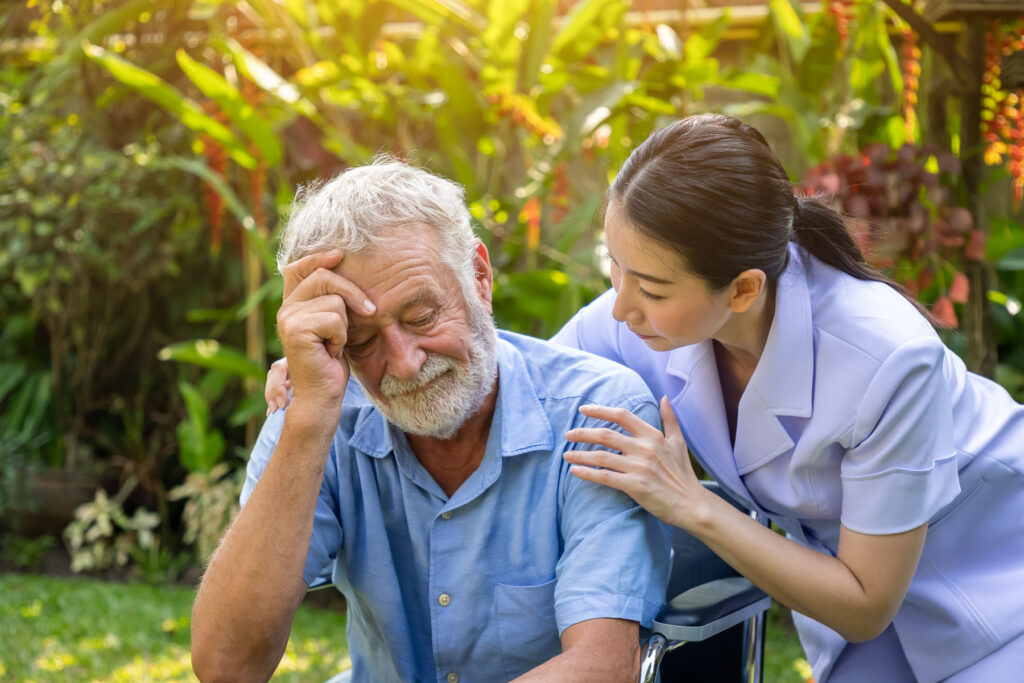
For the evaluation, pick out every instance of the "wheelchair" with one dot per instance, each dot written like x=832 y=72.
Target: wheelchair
x=708 y=604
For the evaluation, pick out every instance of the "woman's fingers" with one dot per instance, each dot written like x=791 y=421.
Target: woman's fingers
x=615 y=480
x=610 y=461
x=620 y=416
x=601 y=436
x=276 y=390
x=670 y=422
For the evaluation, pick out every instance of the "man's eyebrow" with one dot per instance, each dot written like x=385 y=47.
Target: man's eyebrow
x=423 y=296
x=642 y=276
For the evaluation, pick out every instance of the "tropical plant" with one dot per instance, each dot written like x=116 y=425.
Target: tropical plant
x=103 y=535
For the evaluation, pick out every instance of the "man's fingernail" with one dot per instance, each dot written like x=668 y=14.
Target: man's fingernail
x=368 y=306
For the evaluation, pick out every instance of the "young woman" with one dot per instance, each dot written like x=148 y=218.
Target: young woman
x=817 y=393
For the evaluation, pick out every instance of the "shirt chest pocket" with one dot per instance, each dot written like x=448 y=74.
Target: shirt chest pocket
x=527 y=630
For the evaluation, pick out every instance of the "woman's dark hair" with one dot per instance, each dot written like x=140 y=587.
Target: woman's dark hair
x=709 y=187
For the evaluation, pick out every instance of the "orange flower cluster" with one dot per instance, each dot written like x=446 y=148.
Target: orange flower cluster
x=1002 y=115
x=523 y=112
x=840 y=9
x=911 y=67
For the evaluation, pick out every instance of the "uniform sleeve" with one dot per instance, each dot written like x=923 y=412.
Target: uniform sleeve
x=593 y=329
x=903 y=466
x=327 y=533
x=615 y=563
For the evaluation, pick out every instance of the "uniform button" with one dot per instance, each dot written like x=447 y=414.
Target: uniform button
x=453 y=677
x=447 y=514
x=444 y=599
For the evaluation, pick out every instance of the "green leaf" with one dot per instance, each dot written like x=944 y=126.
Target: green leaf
x=195 y=405
x=757 y=84
x=538 y=43
x=1012 y=260
x=791 y=25
x=338 y=139
x=155 y=89
x=216 y=87
x=232 y=202
x=209 y=353
x=581 y=17
x=701 y=44
x=439 y=12
x=10 y=376
x=64 y=66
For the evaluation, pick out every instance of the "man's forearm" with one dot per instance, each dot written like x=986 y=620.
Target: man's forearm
x=253 y=585
x=593 y=650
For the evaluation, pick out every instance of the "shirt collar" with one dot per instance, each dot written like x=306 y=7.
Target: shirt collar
x=524 y=426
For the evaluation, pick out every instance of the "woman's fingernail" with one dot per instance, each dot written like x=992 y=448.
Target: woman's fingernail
x=368 y=306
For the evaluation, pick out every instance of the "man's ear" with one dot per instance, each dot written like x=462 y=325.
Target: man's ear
x=483 y=275
x=746 y=288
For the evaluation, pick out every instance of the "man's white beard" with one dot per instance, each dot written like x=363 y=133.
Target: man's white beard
x=438 y=401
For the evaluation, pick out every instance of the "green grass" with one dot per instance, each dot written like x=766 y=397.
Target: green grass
x=784 y=658
x=58 y=629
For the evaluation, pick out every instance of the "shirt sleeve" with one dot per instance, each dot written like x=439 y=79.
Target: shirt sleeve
x=327 y=536
x=615 y=563
x=903 y=466
x=593 y=329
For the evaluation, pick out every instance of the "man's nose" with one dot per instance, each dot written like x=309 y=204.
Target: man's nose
x=404 y=358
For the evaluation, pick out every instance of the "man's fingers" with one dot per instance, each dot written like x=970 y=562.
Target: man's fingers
x=297 y=271
x=323 y=282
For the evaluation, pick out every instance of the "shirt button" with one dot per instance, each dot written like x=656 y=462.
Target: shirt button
x=453 y=677
x=447 y=514
x=444 y=599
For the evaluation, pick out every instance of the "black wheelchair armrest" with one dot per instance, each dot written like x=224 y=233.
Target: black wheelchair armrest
x=709 y=609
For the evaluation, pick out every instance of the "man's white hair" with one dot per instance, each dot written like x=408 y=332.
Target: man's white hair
x=362 y=206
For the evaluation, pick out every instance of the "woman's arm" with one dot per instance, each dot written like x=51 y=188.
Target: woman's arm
x=856 y=593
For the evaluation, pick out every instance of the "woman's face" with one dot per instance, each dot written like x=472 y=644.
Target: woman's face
x=657 y=296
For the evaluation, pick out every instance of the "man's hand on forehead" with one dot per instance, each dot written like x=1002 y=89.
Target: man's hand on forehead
x=313 y=325
x=317 y=275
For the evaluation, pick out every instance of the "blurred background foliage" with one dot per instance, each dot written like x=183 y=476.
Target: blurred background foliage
x=152 y=147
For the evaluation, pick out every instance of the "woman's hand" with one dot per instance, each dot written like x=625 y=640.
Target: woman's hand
x=652 y=468
x=278 y=385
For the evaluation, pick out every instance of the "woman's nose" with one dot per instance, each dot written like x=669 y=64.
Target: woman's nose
x=623 y=311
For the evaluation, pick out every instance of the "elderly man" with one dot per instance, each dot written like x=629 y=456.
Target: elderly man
x=419 y=466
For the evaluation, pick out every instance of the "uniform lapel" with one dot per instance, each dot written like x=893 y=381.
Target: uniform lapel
x=783 y=383
x=701 y=413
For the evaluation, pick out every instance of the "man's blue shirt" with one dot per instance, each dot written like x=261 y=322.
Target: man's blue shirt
x=481 y=584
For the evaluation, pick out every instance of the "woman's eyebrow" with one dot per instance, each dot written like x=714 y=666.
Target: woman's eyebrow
x=642 y=276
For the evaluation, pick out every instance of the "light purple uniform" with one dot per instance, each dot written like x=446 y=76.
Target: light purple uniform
x=857 y=414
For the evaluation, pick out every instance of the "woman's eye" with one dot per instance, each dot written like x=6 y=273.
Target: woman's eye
x=647 y=295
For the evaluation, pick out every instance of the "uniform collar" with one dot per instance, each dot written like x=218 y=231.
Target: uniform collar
x=782 y=385
x=524 y=426
x=783 y=382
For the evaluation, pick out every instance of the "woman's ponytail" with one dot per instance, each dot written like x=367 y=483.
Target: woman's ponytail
x=823 y=233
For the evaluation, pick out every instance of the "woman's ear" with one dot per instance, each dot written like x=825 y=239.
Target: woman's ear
x=746 y=288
